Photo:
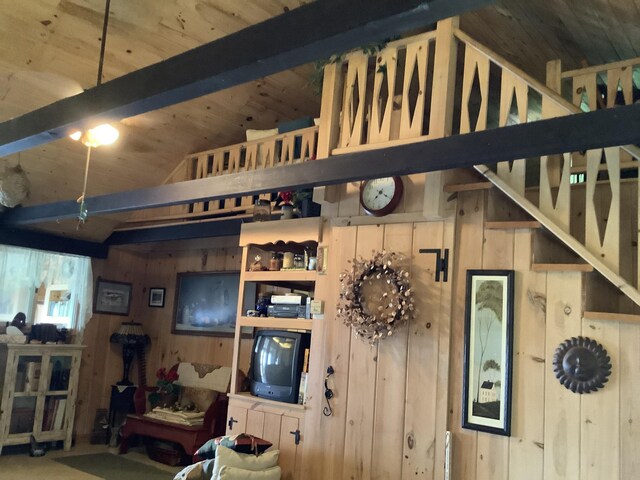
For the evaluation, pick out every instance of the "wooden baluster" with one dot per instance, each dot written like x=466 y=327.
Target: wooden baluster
x=624 y=77
x=232 y=167
x=287 y=154
x=250 y=155
x=218 y=165
x=353 y=105
x=200 y=172
x=475 y=63
x=382 y=108
x=585 y=85
x=308 y=147
x=560 y=212
x=513 y=89
x=411 y=121
x=608 y=248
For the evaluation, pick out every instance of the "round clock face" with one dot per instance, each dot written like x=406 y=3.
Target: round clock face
x=381 y=196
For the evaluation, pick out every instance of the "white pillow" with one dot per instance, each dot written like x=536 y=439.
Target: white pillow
x=231 y=473
x=253 y=134
x=247 y=461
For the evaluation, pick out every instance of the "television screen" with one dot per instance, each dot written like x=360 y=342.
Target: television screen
x=277 y=360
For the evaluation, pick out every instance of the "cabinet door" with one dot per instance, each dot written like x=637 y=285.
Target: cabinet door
x=288 y=447
x=236 y=419
x=255 y=423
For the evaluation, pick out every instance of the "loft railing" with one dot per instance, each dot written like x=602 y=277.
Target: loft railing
x=416 y=89
x=271 y=152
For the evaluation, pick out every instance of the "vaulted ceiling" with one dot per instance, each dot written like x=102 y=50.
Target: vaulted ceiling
x=50 y=50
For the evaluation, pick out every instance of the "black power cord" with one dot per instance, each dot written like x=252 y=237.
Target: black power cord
x=328 y=393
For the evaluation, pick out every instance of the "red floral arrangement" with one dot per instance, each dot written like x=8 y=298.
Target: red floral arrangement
x=286 y=197
x=166 y=380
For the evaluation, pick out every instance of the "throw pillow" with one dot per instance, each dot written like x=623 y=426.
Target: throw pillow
x=200 y=397
x=253 y=134
x=231 y=473
x=226 y=456
x=242 y=443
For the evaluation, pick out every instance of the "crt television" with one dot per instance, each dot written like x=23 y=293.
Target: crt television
x=277 y=361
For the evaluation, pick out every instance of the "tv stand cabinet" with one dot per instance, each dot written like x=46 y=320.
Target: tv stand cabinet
x=280 y=423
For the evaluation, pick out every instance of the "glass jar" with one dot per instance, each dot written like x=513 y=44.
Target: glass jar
x=287 y=260
x=262 y=211
x=298 y=261
x=274 y=263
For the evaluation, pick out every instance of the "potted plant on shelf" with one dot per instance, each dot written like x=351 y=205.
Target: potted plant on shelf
x=285 y=200
x=297 y=203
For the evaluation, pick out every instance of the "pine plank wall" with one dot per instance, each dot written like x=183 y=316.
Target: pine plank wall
x=393 y=403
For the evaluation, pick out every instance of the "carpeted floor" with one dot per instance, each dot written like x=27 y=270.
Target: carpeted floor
x=113 y=467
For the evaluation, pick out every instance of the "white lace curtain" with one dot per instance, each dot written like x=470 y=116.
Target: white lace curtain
x=22 y=270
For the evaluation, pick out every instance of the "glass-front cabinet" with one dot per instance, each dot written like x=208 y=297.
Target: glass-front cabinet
x=39 y=388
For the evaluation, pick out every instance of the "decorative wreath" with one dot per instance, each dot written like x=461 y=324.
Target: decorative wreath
x=581 y=365
x=375 y=296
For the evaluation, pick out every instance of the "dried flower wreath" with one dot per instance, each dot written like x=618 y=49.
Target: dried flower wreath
x=375 y=296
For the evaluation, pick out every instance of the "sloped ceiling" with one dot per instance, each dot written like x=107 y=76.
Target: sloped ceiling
x=50 y=49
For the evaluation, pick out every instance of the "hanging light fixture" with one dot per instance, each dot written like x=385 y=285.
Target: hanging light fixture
x=104 y=134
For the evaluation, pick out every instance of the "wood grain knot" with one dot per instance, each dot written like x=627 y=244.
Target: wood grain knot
x=411 y=441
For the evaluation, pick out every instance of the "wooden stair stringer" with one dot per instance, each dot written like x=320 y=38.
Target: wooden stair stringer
x=625 y=287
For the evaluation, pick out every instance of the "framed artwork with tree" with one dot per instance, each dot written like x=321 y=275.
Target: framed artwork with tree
x=488 y=345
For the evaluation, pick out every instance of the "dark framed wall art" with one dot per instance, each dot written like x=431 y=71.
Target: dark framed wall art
x=488 y=345
x=206 y=303
x=112 y=297
x=156 y=297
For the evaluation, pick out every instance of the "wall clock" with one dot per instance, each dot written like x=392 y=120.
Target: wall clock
x=381 y=196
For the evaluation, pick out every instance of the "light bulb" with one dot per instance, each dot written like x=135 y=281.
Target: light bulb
x=104 y=134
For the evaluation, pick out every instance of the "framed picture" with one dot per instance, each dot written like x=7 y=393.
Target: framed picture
x=111 y=297
x=488 y=345
x=206 y=303
x=156 y=297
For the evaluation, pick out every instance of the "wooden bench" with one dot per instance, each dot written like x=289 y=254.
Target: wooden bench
x=198 y=376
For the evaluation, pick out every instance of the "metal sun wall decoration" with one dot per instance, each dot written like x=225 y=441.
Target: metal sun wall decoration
x=581 y=365
x=375 y=296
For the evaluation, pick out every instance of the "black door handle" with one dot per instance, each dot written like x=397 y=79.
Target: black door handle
x=296 y=435
x=231 y=422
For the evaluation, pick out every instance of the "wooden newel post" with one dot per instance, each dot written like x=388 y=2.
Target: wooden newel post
x=329 y=128
x=441 y=117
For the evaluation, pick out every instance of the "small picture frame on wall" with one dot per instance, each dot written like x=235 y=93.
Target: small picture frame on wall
x=156 y=297
x=488 y=350
x=112 y=297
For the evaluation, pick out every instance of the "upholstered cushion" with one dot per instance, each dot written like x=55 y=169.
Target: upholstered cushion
x=231 y=473
x=241 y=443
x=200 y=397
x=226 y=456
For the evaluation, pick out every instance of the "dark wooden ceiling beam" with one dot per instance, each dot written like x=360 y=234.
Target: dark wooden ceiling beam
x=582 y=131
x=52 y=243
x=310 y=32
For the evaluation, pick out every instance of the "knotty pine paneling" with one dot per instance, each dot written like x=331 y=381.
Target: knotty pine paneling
x=102 y=362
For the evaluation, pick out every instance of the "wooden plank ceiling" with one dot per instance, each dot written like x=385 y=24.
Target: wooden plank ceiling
x=50 y=50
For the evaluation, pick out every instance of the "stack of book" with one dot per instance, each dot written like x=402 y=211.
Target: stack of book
x=178 y=416
x=53 y=416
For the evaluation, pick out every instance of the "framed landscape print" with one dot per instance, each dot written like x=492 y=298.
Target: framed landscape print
x=488 y=344
x=111 y=297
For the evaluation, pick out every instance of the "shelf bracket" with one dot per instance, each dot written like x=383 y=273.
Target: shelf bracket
x=442 y=262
